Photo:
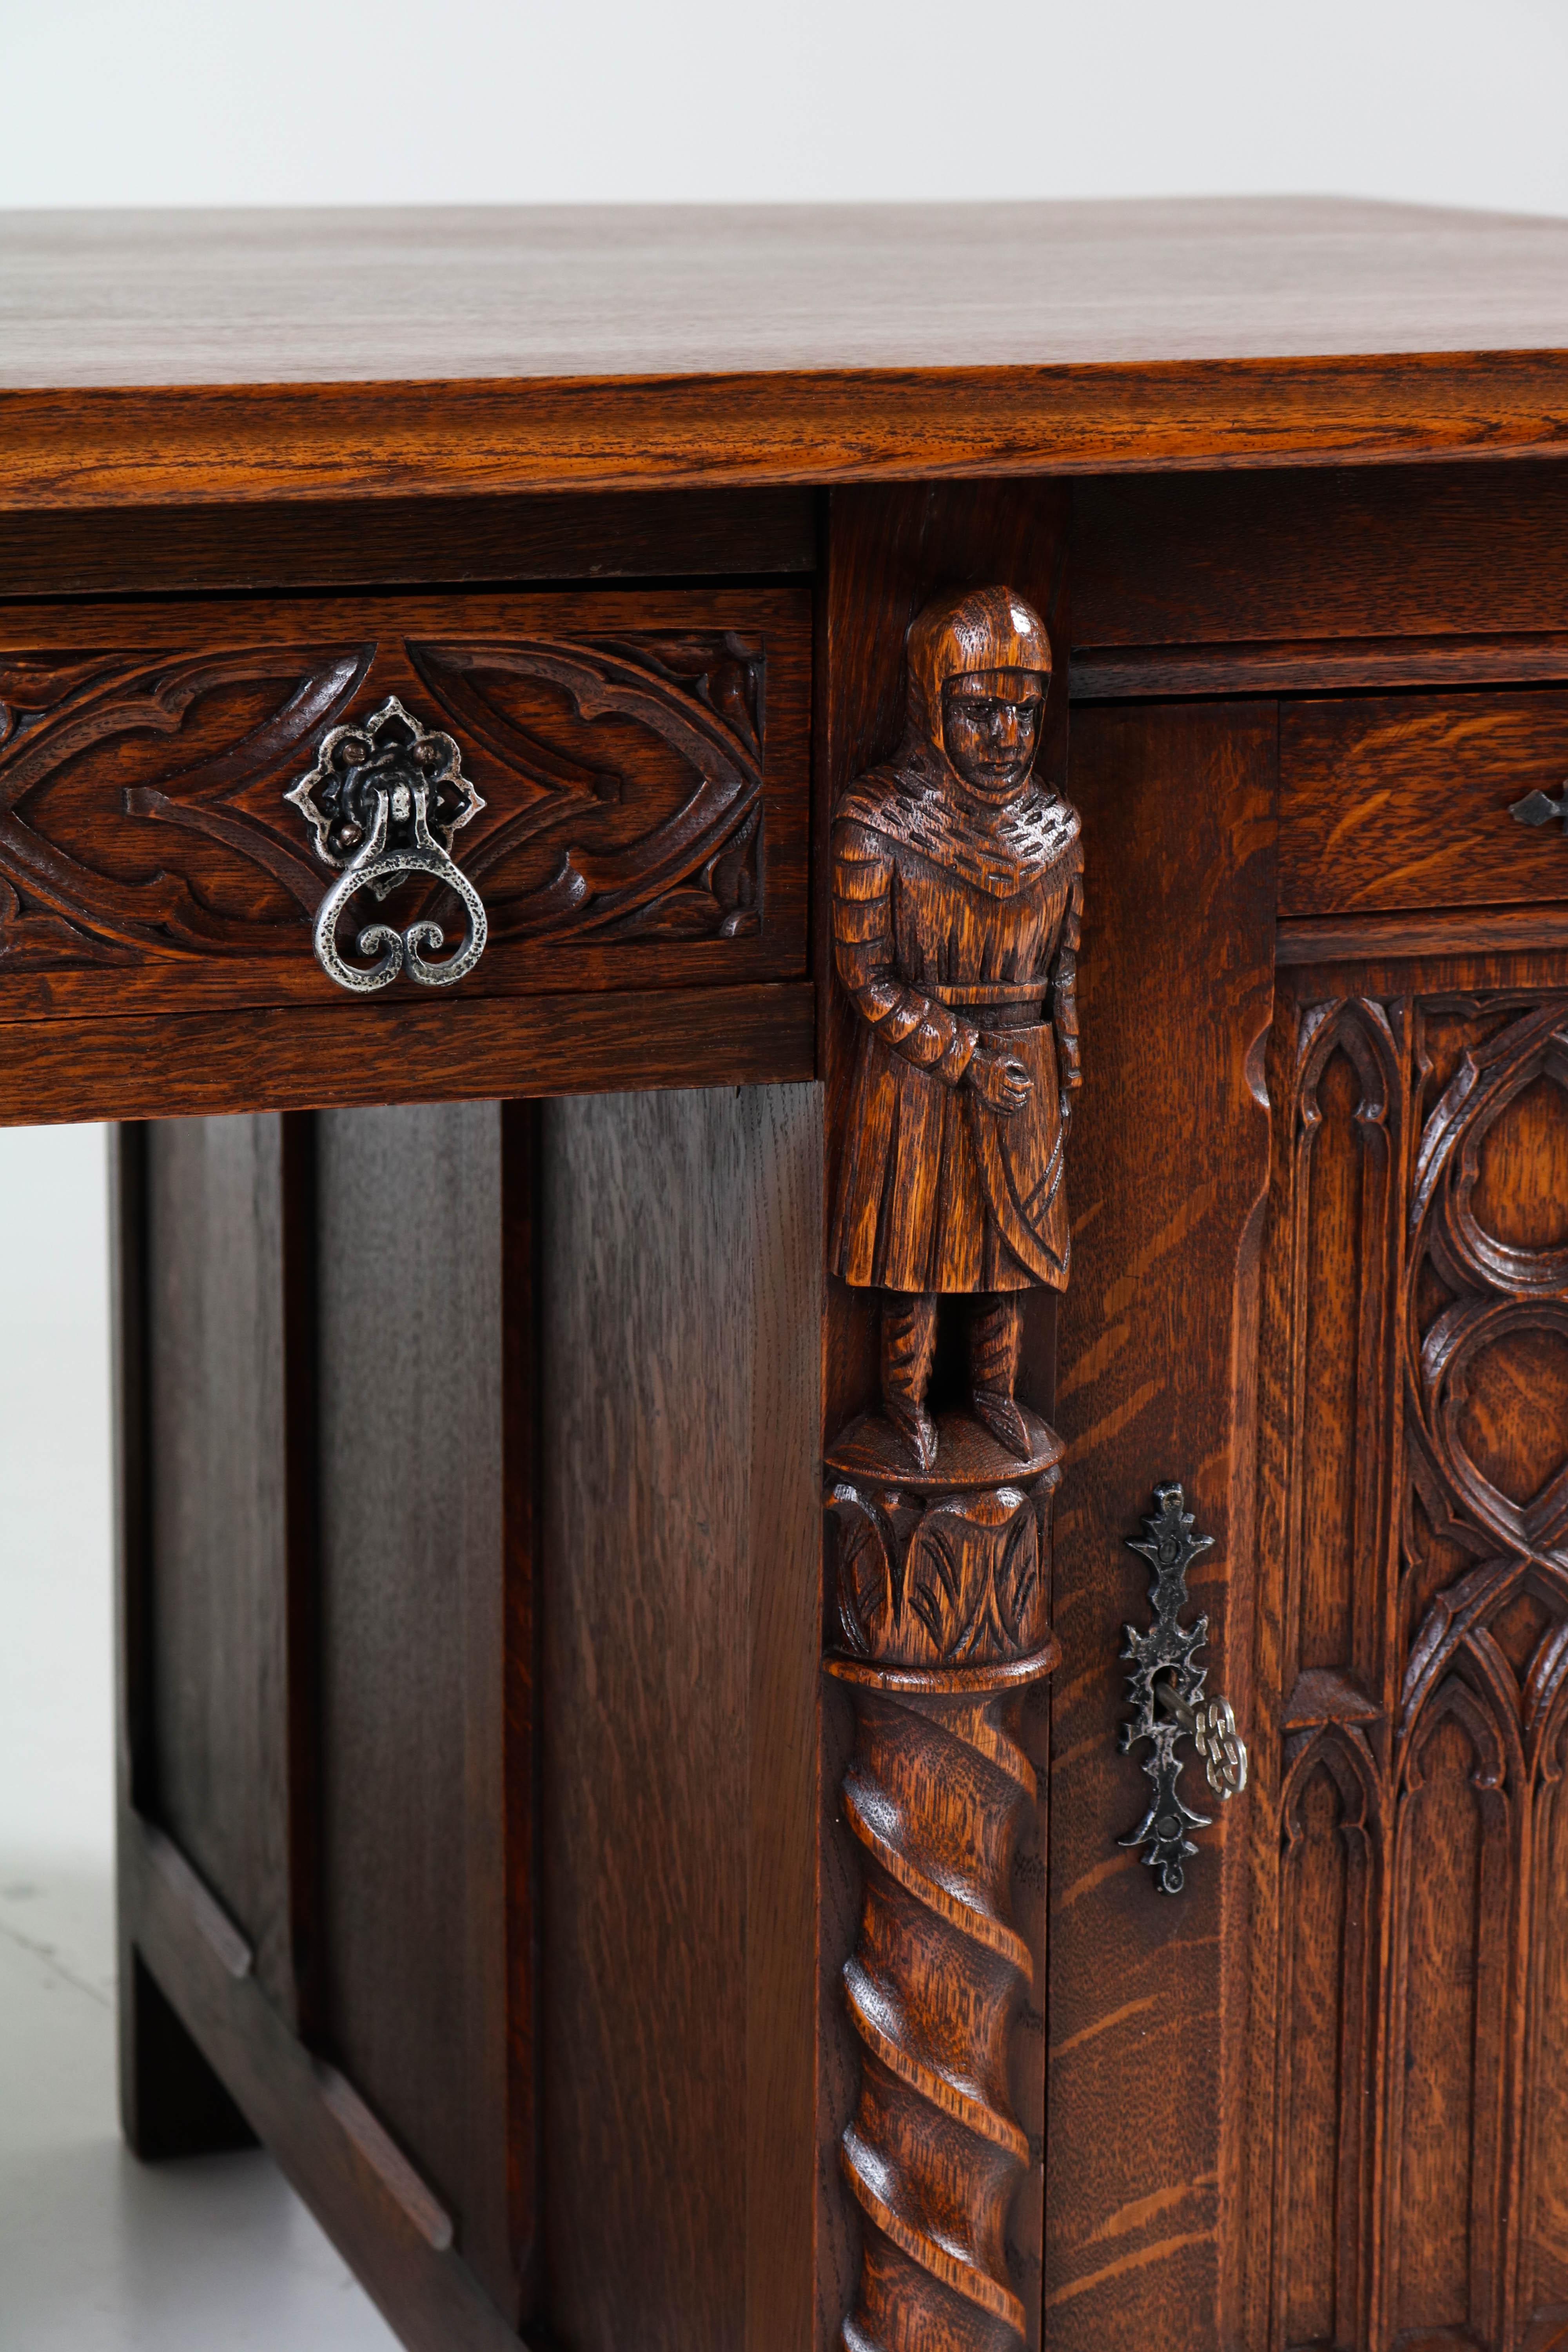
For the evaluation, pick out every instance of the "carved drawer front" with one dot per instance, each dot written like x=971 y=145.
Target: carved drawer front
x=1414 y=800
x=619 y=777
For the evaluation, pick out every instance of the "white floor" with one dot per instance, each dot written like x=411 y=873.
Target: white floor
x=98 y=2253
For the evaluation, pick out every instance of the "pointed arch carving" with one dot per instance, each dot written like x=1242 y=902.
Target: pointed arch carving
x=1422 y=1762
x=1329 y=1913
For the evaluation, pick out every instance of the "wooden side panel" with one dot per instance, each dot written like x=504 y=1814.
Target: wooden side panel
x=1407 y=2012
x=414 y=1644
x=218 y=1763
x=681 y=1308
x=170 y=2101
x=1170 y=1164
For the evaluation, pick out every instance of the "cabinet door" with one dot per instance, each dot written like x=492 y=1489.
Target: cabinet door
x=1410 y=2093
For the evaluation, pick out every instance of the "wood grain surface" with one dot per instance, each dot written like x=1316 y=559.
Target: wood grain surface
x=1403 y=801
x=1316 y=665
x=657 y=534
x=1155 y=1380
x=411 y=1312
x=1446 y=932
x=190 y=446
x=294 y=1057
x=681 y=1597
x=1187 y=560
x=218 y=1762
x=380 y=2213
x=172 y=2102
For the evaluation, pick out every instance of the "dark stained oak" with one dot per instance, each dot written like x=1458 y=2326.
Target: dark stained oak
x=679 y=1596
x=1155 y=1377
x=1120 y=674
x=217 y=1528
x=172 y=2102
x=291 y=1057
x=1440 y=931
x=351 y=441
x=1192 y=563
x=379 y=2211
x=414 y=1657
x=650 y=534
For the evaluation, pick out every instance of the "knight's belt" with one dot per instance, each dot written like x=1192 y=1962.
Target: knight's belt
x=981 y=993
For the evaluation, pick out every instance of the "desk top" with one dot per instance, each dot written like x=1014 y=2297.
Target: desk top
x=225 y=298
x=187 y=355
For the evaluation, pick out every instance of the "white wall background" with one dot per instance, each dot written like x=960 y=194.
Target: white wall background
x=396 y=101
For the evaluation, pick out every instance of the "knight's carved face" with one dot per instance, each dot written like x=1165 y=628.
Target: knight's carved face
x=991 y=729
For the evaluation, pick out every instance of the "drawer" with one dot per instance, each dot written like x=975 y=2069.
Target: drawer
x=1398 y=802
x=622 y=775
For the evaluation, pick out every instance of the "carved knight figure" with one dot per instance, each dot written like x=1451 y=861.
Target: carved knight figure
x=957 y=888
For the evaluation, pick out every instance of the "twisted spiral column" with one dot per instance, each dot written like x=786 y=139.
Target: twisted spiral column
x=936 y=1794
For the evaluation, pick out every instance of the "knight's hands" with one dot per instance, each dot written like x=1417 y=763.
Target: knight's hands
x=1001 y=1083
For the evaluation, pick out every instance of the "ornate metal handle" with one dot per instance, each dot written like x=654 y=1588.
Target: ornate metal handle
x=383 y=800
x=1167 y=1692
x=1540 y=808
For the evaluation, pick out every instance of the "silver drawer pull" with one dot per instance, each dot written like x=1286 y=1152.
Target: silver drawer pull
x=383 y=800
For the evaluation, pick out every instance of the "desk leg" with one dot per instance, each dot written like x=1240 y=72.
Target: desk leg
x=170 y=2101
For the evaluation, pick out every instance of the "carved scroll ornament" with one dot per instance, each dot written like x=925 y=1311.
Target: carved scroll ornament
x=957 y=885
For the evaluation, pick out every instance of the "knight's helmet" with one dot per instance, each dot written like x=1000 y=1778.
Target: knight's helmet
x=990 y=628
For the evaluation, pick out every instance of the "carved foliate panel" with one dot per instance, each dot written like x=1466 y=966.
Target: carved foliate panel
x=619 y=776
x=1419 y=2037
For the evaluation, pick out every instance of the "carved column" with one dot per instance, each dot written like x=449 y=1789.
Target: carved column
x=957 y=883
x=942 y=1589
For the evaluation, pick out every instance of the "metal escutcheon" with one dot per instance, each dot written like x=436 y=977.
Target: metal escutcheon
x=383 y=800
x=1166 y=1689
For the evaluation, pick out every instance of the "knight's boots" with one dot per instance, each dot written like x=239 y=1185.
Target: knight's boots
x=909 y=1346
x=996 y=1341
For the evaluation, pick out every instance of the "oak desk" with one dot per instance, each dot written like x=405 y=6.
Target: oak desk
x=535 y=1373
